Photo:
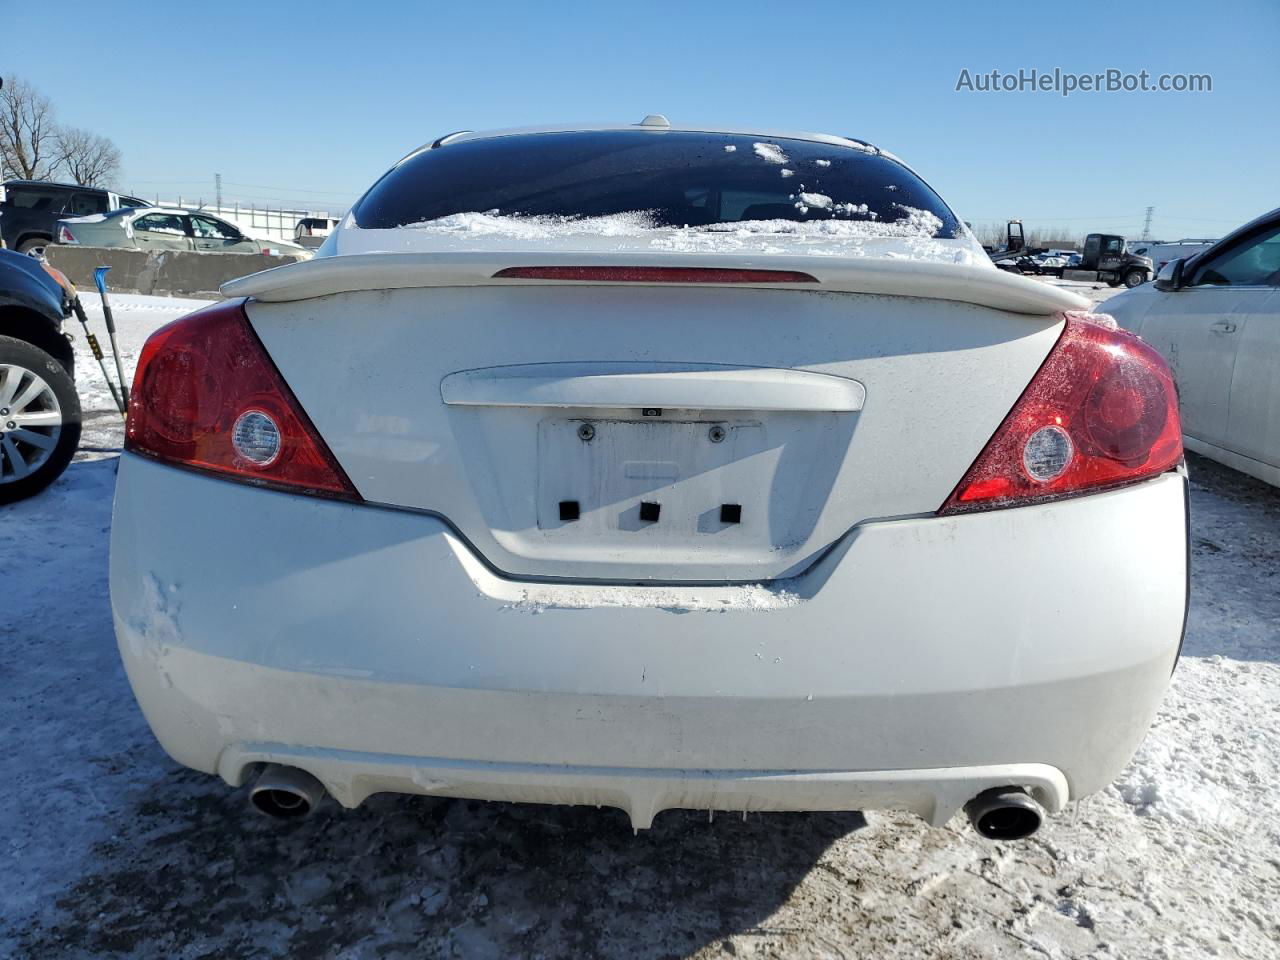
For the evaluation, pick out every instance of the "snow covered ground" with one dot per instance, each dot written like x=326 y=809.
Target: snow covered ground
x=112 y=849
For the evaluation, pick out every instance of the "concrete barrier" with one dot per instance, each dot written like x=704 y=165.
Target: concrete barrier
x=173 y=272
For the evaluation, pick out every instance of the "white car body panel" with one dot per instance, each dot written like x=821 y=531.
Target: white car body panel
x=803 y=476
x=918 y=663
x=1253 y=420
x=1193 y=332
x=1266 y=472
x=1223 y=345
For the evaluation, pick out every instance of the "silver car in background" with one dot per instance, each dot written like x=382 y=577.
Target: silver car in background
x=170 y=228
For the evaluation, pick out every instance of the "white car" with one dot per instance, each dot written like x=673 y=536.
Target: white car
x=310 y=232
x=653 y=468
x=1216 y=319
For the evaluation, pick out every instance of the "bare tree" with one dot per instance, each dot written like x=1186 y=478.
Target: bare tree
x=88 y=158
x=990 y=234
x=1055 y=238
x=28 y=132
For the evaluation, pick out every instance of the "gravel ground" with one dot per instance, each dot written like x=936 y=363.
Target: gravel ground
x=111 y=849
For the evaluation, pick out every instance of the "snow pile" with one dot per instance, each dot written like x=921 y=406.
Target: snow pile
x=806 y=200
x=846 y=229
x=770 y=152
x=493 y=223
x=640 y=224
x=1162 y=782
x=918 y=223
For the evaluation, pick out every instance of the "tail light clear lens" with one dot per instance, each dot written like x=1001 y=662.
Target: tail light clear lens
x=1101 y=412
x=207 y=396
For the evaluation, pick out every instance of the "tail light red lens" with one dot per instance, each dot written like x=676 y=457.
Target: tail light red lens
x=65 y=235
x=207 y=396
x=1101 y=412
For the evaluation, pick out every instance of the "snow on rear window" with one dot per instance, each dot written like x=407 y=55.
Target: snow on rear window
x=680 y=179
x=820 y=200
x=494 y=223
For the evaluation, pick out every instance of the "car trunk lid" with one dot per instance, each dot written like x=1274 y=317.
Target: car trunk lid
x=647 y=432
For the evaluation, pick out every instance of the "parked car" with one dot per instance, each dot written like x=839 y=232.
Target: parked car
x=627 y=479
x=1162 y=253
x=310 y=232
x=1215 y=317
x=170 y=228
x=1062 y=255
x=39 y=409
x=31 y=209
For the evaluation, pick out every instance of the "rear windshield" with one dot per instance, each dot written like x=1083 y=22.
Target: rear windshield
x=671 y=179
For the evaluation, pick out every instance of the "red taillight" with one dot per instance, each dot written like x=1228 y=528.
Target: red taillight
x=65 y=235
x=206 y=395
x=1101 y=412
x=654 y=275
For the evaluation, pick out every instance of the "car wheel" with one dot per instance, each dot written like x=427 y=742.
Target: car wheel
x=39 y=420
x=33 y=248
x=1134 y=278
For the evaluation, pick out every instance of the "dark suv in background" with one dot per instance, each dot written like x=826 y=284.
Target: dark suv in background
x=31 y=209
x=39 y=409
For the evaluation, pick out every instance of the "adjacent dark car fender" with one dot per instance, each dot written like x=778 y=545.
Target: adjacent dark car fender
x=33 y=305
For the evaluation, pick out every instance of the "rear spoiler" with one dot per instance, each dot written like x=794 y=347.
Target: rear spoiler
x=981 y=285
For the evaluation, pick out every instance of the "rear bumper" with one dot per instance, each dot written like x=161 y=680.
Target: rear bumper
x=918 y=663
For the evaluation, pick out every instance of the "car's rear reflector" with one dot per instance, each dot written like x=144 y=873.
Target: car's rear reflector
x=207 y=396
x=1101 y=412
x=654 y=275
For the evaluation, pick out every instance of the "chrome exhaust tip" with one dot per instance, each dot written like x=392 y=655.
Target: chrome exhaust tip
x=1004 y=813
x=286 y=793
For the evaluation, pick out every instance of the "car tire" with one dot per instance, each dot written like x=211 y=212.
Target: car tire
x=34 y=247
x=46 y=407
x=1134 y=278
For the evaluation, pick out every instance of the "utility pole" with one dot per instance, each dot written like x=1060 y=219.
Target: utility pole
x=1146 y=224
x=217 y=187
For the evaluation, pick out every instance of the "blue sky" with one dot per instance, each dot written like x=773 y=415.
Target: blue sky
x=306 y=103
